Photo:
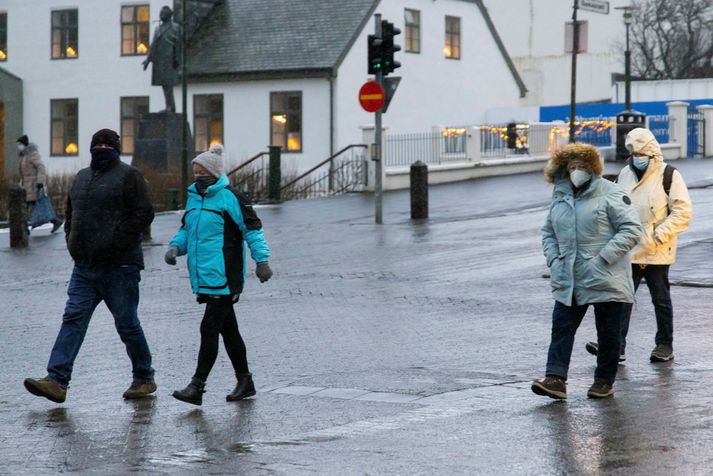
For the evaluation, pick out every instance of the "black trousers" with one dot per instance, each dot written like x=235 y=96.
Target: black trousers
x=219 y=320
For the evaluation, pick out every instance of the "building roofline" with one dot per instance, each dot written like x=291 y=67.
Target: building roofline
x=354 y=37
x=8 y=73
x=260 y=75
x=501 y=46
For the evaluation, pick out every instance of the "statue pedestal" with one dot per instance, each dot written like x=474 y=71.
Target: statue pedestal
x=158 y=144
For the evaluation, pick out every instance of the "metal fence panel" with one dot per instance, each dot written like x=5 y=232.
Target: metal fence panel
x=696 y=133
x=428 y=147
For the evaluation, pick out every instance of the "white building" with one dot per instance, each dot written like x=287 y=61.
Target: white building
x=534 y=33
x=260 y=72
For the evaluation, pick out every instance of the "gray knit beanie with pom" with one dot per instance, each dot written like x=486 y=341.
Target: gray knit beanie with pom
x=212 y=160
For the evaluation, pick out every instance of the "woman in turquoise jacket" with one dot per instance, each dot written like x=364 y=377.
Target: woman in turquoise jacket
x=215 y=225
x=590 y=229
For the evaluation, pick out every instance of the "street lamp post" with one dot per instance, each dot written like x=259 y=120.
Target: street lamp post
x=628 y=20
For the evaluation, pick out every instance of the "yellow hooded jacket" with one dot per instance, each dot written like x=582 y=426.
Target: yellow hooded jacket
x=663 y=217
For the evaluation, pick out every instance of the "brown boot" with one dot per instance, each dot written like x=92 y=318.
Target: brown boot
x=46 y=387
x=139 y=389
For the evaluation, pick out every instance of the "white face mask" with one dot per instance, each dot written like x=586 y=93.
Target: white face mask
x=579 y=177
x=21 y=147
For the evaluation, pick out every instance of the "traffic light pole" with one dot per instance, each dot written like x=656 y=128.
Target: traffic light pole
x=378 y=140
x=573 y=91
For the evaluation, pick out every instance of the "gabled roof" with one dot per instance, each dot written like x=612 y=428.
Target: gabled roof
x=251 y=39
x=254 y=38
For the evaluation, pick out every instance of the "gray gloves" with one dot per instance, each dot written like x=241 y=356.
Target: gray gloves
x=171 y=254
x=263 y=271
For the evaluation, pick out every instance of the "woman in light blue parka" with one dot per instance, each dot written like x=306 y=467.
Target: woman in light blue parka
x=217 y=224
x=590 y=229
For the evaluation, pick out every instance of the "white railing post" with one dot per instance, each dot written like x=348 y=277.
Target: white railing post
x=472 y=144
x=707 y=111
x=438 y=143
x=678 y=126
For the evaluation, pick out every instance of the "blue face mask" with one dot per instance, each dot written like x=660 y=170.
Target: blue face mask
x=640 y=162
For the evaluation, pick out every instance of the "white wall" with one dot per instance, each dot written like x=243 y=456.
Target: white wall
x=533 y=32
x=98 y=77
x=246 y=118
x=665 y=90
x=434 y=90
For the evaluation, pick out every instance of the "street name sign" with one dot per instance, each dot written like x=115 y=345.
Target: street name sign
x=596 y=6
x=371 y=96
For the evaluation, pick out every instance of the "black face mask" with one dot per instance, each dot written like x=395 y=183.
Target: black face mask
x=101 y=158
x=203 y=182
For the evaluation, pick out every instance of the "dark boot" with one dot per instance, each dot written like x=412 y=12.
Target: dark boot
x=193 y=393
x=244 y=389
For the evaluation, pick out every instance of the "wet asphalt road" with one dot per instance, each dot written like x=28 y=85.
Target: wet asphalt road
x=406 y=348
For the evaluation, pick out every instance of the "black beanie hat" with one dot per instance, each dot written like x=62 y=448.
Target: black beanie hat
x=107 y=137
x=24 y=140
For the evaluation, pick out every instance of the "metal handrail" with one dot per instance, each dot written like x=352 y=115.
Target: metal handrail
x=292 y=182
x=248 y=162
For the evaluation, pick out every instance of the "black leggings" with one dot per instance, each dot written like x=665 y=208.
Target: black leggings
x=219 y=319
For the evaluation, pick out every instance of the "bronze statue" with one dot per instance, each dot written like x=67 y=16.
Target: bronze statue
x=164 y=52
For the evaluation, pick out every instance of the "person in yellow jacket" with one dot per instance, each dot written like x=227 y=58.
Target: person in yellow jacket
x=661 y=198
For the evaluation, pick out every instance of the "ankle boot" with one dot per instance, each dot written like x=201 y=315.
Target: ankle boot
x=245 y=388
x=193 y=393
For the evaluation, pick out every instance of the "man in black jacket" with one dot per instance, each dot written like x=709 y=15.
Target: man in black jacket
x=107 y=209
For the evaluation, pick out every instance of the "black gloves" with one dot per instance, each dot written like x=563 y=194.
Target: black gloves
x=170 y=256
x=263 y=271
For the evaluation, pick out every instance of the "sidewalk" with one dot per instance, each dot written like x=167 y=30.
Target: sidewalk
x=406 y=348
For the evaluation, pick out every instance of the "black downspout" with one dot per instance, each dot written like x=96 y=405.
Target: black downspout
x=331 y=130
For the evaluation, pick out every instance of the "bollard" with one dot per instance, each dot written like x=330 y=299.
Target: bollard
x=17 y=208
x=419 y=190
x=275 y=175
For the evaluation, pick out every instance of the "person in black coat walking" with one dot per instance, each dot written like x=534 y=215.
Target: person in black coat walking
x=107 y=209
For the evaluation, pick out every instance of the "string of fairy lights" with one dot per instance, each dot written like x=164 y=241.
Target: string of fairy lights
x=598 y=125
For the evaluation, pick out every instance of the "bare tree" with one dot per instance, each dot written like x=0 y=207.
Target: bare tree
x=672 y=39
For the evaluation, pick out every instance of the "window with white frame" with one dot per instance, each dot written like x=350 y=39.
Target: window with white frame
x=207 y=120
x=132 y=108
x=286 y=120
x=452 y=47
x=3 y=36
x=412 y=22
x=134 y=30
x=65 y=34
x=64 y=126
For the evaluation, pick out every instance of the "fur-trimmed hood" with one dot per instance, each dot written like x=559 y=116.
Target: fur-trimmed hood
x=642 y=141
x=556 y=168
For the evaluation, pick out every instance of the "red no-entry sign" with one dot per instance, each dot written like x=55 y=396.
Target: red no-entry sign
x=371 y=96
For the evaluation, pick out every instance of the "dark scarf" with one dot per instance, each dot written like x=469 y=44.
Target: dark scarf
x=102 y=158
x=203 y=182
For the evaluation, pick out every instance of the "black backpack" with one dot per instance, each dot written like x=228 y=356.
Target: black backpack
x=668 y=178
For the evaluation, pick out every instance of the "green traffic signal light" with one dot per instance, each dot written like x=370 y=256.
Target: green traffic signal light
x=375 y=47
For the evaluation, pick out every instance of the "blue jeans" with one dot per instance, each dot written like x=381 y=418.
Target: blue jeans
x=118 y=287
x=657 y=280
x=566 y=320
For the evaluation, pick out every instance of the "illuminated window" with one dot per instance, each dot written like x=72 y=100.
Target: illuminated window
x=412 y=20
x=208 y=120
x=3 y=36
x=134 y=30
x=64 y=126
x=65 y=34
x=132 y=108
x=452 y=46
x=286 y=120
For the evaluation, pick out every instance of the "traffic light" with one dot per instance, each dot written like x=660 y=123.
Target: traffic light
x=376 y=54
x=388 y=32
